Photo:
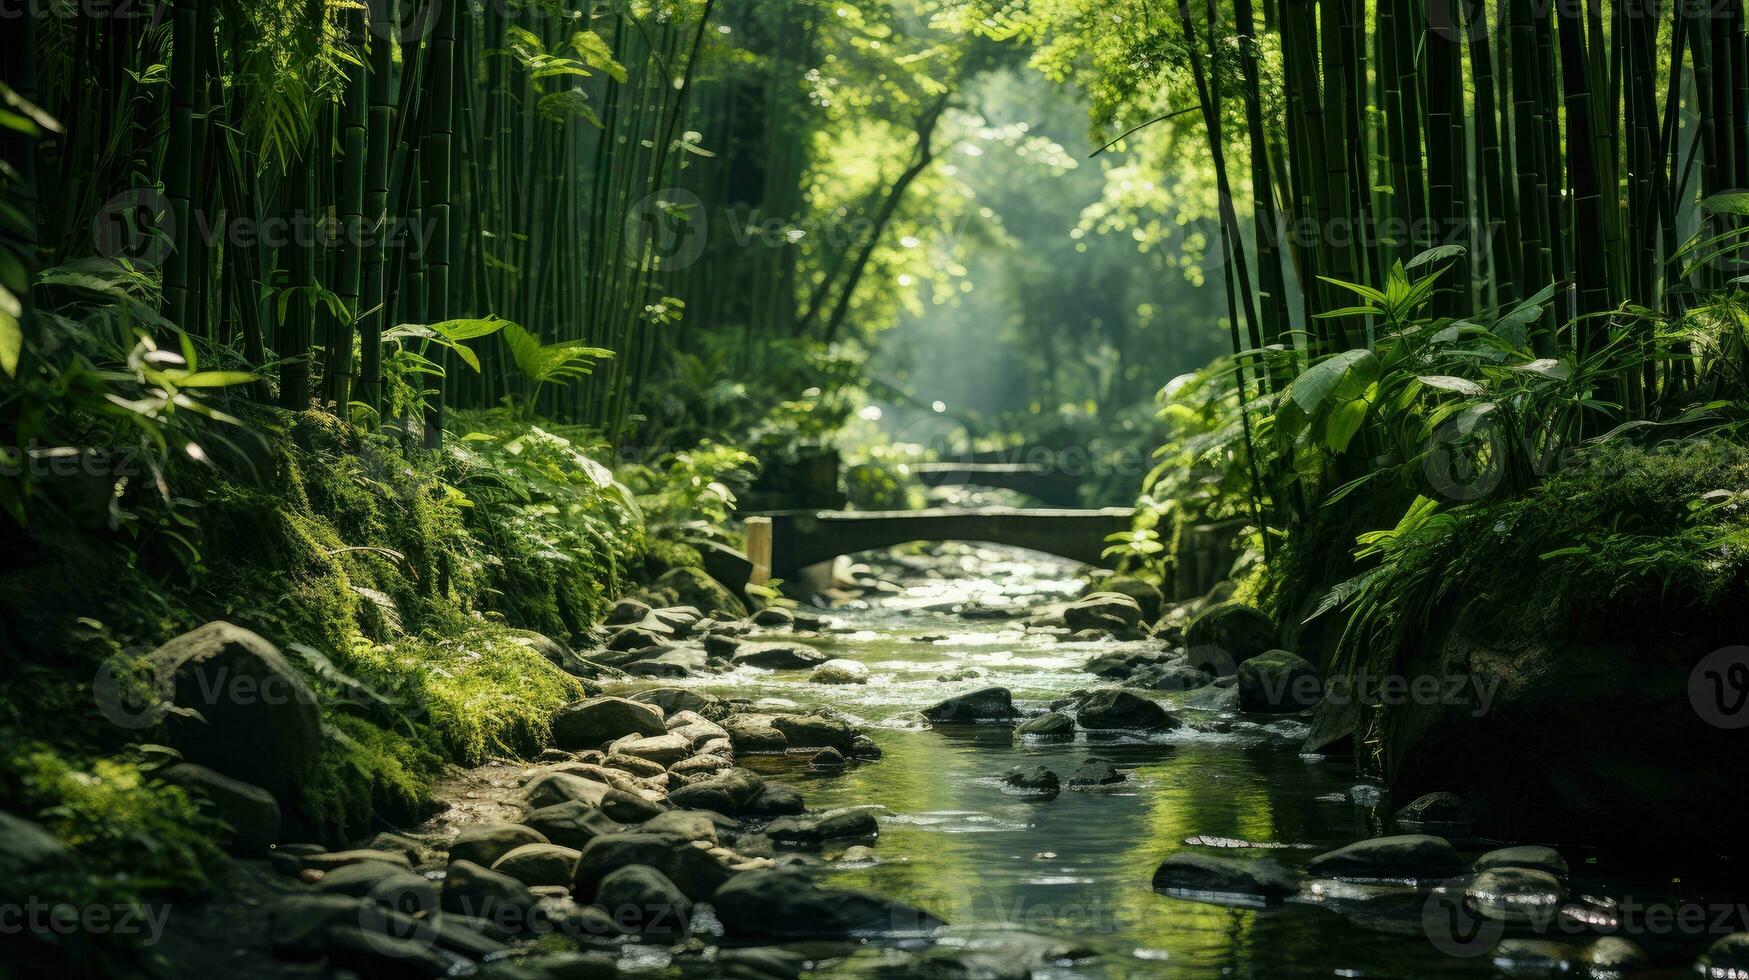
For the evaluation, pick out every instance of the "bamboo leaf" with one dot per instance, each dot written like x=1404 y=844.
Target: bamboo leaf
x=1446 y=382
x=1437 y=254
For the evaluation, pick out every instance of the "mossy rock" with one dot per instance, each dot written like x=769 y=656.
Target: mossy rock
x=1147 y=595
x=695 y=587
x=1241 y=631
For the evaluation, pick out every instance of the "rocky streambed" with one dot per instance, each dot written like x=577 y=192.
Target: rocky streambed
x=962 y=768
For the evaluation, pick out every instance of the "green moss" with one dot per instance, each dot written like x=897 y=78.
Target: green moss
x=368 y=771
x=482 y=693
x=1628 y=543
x=115 y=815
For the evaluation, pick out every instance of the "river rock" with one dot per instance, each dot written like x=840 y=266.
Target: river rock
x=1195 y=872
x=694 y=587
x=26 y=847
x=786 y=903
x=779 y=656
x=755 y=733
x=250 y=717
x=1420 y=857
x=1516 y=896
x=540 y=864
x=839 y=671
x=730 y=792
x=484 y=843
x=627 y=611
x=681 y=619
x=1233 y=628
x=695 y=728
x=634 y=640
x=1613 y=955
x=674 y=700
x=629 y=807
x=814 y=829
x=1114 y=708
x=687 y=825
x=301 y=927
x=386 y=884
x=693 y=867
x=251 y=812
x=1532 y=856
x=699 y=766
x=722 y=645
x=1276 y=682
x=1035 y=782
x=775 y=800
x=815 y=732
x=1050 y=725
x=662 y=749
x=1435 y=809
x=1147 y=595
x=987 y=704
x=597 y=721
x=774 y=617
x=1179 y=676
x=1095 y=773
x=1727 y=957
x=829 y=760
x=477 y=892
x=571 y=825
x=641 y=899
x=553 y=788
x=1121 y=664
x=671 y=662
x=327 y=861
x=1103 y=611
x=640 y=767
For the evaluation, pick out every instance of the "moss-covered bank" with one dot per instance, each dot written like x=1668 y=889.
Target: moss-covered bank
x=418 y=596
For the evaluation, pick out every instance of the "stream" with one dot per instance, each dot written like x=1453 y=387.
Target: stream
x=1077 y=868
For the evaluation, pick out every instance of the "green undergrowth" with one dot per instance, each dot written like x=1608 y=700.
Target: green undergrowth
x=1630 y=543
x=416 y=592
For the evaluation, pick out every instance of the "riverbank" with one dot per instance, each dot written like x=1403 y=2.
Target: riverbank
x=355 y=621
x=1191 y=839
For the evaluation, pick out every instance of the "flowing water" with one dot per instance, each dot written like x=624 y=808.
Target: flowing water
x=1077 y=868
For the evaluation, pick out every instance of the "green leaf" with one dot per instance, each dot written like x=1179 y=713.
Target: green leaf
x=595 y=53
x=1727 y=202
x=469 y=329
x=1343 y=423
x=1438 y=253
x=1446 y=382
x=1366 y=292
x=214 y=379
x=1548 y=367
x=11 y=338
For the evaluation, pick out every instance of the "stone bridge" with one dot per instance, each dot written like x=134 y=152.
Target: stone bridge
x=783 y=544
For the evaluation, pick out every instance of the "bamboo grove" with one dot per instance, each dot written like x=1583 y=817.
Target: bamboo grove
x=1518 y=215
x=344 y=200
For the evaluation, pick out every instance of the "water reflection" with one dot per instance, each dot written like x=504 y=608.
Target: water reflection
x=1078 y=868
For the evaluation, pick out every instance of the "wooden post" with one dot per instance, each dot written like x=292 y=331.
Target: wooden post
x=759 y=549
